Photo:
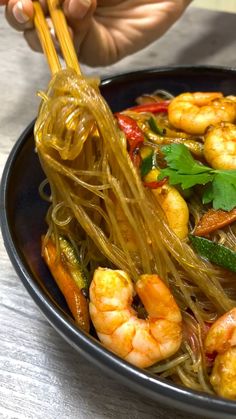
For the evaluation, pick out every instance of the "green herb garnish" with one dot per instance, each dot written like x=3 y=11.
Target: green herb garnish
x=184 y=170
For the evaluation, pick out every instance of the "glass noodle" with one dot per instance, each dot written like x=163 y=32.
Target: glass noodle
x=84 y=156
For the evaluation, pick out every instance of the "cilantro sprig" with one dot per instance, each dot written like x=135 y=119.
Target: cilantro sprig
x=182 y=169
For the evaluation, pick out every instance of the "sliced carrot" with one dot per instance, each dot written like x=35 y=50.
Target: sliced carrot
x=213 y=220
x=75 y=299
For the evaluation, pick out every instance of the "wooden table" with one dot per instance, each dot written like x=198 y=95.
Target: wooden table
x=41 y=376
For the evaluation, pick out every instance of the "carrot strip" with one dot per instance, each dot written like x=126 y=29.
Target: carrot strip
x=213 y=220
x=76 y=301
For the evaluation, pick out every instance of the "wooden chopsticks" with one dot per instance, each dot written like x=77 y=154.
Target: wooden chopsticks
x=62 y=33
x=45 y=38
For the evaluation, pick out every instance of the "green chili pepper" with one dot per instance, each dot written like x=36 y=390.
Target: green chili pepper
x=146 y=165
x=214 y=252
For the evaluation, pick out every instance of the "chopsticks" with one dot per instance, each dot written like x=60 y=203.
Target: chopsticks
x=63 y=36
x=45 y=39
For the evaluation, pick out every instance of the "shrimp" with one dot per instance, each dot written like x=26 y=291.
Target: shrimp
x=220 y=146
x=194 y=112
x=173 y=205
x=221 y=339
x=142 y=342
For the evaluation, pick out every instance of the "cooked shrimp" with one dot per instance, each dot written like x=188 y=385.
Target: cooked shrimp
x=142 y=342
x=221 y=339
x=173 y=205
x=223 y=377
x=194 y=112
x=220 y=146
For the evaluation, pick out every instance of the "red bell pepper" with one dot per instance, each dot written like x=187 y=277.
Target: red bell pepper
x=156 y=184
x=154 y=107
x=134 y=135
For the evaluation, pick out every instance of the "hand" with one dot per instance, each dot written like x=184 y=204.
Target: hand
x=104 y=31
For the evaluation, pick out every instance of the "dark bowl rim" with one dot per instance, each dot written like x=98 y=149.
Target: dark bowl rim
x=157 y=389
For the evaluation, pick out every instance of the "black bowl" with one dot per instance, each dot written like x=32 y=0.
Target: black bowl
x=22 y=222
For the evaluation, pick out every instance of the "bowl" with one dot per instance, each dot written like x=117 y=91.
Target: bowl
x=22 y=222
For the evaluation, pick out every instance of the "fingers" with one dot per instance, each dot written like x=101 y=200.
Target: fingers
x=79 y=17
x=78 y=13
x=32 y=40
x=20 y=13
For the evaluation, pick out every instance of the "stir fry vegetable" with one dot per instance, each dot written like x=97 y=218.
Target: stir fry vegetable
x=214 y=252
x=134 y=135
x=213 y=220
x=69 y=278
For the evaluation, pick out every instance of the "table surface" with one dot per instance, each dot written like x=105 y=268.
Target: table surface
x=40 y=374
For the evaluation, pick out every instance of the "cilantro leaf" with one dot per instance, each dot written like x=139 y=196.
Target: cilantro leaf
x=184 y=170
x=221 y=193
x=208 y=194
x=229 y=175
x=185 y=180
x=179 y=158
x=224 y=192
